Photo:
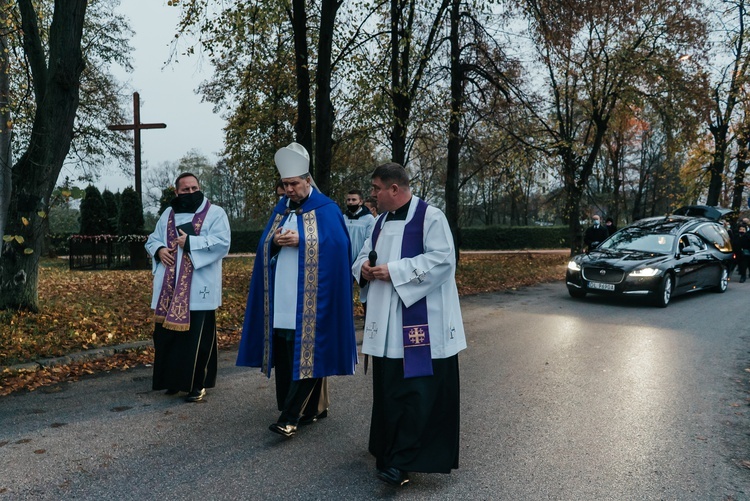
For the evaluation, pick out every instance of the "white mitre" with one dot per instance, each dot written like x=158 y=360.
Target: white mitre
x=292 y=161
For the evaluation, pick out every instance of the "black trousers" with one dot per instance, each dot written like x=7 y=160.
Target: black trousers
x=415 y=421
x=294 y=399
x=186 y=360
x=742 y=261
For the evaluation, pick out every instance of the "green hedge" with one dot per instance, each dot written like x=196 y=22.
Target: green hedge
x=515 y=237
x=245 y=241
x=486 y=238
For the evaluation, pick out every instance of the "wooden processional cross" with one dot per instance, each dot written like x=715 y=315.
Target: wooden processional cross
x=136 y=127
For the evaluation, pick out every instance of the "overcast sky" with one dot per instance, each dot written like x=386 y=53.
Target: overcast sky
x=167 y=94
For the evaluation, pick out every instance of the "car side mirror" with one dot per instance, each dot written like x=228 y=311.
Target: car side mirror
x=688 y=251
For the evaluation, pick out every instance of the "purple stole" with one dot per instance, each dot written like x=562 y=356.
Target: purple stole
x=416 y=331
x=173 y=307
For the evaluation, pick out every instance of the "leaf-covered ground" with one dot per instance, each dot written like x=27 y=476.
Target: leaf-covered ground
x=81 y=310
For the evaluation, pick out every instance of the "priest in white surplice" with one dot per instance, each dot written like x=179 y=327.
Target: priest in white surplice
x=413 y=331
x=188 y=244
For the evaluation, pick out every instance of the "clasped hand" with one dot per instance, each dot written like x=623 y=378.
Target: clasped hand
x=167 y=256
x=286 y=238
x=379 y=272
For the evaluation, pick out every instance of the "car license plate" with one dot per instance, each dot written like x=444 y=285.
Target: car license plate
x=601 y=286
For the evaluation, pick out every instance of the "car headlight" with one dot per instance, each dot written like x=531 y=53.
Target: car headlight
x=572 y=265
x=645 y=272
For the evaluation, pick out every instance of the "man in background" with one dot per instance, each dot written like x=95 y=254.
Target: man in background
x=359 y=221
x=595 y=234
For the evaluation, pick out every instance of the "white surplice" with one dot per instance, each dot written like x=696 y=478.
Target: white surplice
x=430 y=275
x=286 y=278
x=359 y=229
x=206 y=252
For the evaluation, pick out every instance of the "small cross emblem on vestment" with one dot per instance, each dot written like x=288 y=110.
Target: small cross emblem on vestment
x=371 y=330
x=416 y=335
x=205 y=292
x=419 y=276
x=180 y=311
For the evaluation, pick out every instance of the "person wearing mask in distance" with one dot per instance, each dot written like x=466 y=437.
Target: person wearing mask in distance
x=188 y=244
x=413 y=330
x=359 y=220
x=299 y=316
x=595 y=234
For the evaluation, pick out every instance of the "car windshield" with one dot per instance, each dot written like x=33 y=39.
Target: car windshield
x=637 y=240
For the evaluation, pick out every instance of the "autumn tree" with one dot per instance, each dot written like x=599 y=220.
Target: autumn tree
x=55 y=76
x=6 y=129
x=272 y=62
x=251 y=49
x=742 y=136
x=478 y=70
x=727 y=86
x=105 y=43
x=415 y=35
x=54 y=53
x=591 y=56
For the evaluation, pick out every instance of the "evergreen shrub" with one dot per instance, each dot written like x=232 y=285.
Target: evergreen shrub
x=130 y=217
x=93 y=213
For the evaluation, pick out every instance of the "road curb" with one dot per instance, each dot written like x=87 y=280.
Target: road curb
x=83 y=356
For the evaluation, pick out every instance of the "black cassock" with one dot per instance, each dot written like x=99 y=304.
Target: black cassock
x=415 y=421
x=186 y=360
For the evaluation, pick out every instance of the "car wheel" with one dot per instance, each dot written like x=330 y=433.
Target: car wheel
x=664 y=294
x=723 y=280
x=576 y=293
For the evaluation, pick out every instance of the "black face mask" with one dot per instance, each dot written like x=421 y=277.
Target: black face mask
x=187 y=202
x=352 y=208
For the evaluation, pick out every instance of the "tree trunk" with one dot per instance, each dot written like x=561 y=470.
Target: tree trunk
x=399 y=77
x=743 y=155
x=454 y=141
x=615 y=150
x=6 y=153
x=56 y=92
x=572 y=216
x=323 y=106
x=716 y=170
x=406 y=85
x=303 y=126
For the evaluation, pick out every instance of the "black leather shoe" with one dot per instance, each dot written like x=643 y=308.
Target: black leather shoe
x=393 y=476
x=196 y=395
x=171 y=392
x=285 y=429
x=310 y=419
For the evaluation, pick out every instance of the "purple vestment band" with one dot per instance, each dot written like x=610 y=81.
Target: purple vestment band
x=173 y=307
x=416 y=331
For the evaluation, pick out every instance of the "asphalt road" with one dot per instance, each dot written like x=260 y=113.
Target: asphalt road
x=561 y=399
